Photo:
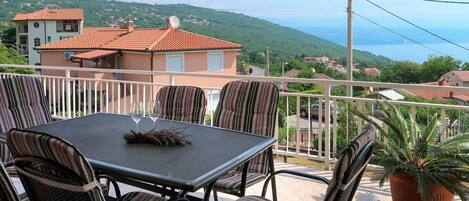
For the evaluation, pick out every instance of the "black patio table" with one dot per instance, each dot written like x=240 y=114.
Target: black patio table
x=171 y=171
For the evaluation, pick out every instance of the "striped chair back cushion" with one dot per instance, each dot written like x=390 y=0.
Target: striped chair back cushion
x=249 y=107
x=51 y=168
x=7 y=191
x=182 y=103
x=351 y=165
x=22 y=103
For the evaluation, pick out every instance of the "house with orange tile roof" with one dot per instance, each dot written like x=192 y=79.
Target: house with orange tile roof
x=45 y=26
x=168 y=49
x=151 y=49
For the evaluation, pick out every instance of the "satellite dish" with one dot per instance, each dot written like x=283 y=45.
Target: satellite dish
x=173 y=22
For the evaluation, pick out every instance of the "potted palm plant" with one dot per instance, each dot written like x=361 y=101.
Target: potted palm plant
x=419 y=165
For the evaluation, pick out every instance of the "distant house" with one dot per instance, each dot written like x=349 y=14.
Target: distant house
x=255 y=70
x=371 y=71
x=463 y=98
x=308 y=60
x=152 y=49
x=45 y=26
x=456 y=78
x=321 y=59
x=292 y=73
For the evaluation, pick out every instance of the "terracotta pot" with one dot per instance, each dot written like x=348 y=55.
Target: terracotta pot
x=404 y=188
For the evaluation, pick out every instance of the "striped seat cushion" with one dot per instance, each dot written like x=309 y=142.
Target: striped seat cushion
x=232 y=183
x=182 y=103
x=50 y=165
x=7 y=191
x=140 y=196
x=22 y=105
x=341 y=176
x=249 y=107
x=252 y=198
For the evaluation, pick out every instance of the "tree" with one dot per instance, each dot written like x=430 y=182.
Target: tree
x=465 y=66
x=402 y=72
x=11 y=56
x=435 y=67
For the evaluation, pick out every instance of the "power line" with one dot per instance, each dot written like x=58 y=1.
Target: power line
x=417 y=26
x=399 y=34
x=277 y=11
x=453 y=2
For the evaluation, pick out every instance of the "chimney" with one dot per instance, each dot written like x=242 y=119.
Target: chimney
x=440 y=82
x=128 y=25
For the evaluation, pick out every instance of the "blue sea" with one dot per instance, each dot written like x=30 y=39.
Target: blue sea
x=414 y=52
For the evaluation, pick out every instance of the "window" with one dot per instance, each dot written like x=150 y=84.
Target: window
x=37 y=42
x=48 y=39
x=36 y=25
x=215 y=61
x=25 y=28
x=67 y=26
x=175 y=62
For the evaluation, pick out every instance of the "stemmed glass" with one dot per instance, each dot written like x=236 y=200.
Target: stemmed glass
x=154 y=111
x=137 y=113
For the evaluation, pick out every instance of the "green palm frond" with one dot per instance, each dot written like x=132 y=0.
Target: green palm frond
x=414 y=150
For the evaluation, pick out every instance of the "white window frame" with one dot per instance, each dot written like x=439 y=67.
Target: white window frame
x=222 y=55
x=168 y=55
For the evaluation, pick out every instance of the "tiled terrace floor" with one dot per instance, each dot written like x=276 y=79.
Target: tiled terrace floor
x=292 y=188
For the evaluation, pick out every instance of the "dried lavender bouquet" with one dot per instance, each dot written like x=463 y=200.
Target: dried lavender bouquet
x=164 y=137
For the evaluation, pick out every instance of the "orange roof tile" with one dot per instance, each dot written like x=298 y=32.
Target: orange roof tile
x=157 y=40
x=429 y=94
x=51 y=14
x=139 y=39
x=94 y=54
x=94 y=29
x=179 y=40
x=90 y=40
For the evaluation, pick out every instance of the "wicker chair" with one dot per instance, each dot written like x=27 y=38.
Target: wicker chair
x=347 y=173
x=182 y=103
x=249 y=107
x=53 y=169
x=22 y=105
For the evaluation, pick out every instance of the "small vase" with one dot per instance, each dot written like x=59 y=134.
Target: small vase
x=404 y=188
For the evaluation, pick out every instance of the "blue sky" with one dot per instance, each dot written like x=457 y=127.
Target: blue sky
x=331 y=13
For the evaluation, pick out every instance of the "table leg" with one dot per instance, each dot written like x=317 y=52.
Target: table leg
x=208 y=190
x=272 y=171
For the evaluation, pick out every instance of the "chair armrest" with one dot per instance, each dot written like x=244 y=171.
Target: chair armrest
x=108 y=181
x=296 y=173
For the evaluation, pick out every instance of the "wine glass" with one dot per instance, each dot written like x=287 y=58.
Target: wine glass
x=154 y=111
x=137 y=113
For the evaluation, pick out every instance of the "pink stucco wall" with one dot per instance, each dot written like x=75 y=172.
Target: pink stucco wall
x=194 y=62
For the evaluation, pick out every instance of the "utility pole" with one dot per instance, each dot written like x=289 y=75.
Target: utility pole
x=349 y=48
x=267 y=60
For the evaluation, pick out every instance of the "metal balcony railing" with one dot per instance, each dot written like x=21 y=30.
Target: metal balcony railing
x=317 y=137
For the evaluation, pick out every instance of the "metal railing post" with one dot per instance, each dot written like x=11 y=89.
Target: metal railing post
x=172 y=81
x=69 y=98
x=298 y=133
x=327 y=130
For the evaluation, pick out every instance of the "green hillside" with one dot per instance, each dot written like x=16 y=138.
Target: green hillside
x=253 y=33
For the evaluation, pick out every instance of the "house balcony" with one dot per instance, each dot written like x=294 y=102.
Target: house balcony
x=311 y=128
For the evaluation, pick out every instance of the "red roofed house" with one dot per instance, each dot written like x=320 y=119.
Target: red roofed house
x=453 y=78
x=45 y=26
x=371 y=71
x=150 y=49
